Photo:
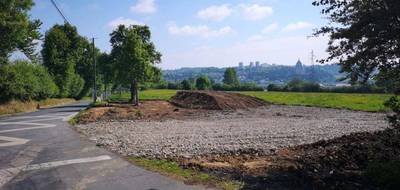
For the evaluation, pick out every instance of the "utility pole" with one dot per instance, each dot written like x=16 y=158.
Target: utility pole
x=94 y=67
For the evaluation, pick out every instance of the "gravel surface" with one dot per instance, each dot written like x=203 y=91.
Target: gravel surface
x=260 y=130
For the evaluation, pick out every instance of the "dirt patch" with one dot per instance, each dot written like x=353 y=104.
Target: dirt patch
x=212 y=100
x=339 y=163
x=147 y=110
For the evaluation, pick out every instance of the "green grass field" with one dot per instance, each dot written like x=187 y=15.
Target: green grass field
x=361 y=102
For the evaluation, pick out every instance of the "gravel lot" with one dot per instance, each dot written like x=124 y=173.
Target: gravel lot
x=260 y=130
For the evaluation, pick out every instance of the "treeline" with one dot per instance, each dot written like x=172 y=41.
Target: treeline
x=297 y=85
x=64 y=67
x=230 y=83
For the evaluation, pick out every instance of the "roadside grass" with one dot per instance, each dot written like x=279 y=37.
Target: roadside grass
x=357 y=102
x=172 y=169
x=15 y=106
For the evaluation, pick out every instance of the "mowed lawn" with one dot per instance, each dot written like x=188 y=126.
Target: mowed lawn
x=361 y=102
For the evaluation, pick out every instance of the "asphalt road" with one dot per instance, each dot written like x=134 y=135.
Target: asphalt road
x=40 y=151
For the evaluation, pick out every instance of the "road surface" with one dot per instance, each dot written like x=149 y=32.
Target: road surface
x=39 y=151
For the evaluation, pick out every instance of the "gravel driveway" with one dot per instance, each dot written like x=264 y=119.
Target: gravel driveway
x=262 y=130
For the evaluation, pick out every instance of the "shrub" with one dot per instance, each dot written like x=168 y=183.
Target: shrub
x=76 y=86
x=186 y=85
x=203 y=83
x=25 y=81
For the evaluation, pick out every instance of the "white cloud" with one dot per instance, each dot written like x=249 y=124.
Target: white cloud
x=285 y=51
x=297 y=26
x=270 y=28
x=144 y=7
x=215 y=13
x=123 y=21
x=199 y=30
x=255 y=11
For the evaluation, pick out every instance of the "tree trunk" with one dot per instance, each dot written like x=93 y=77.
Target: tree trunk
x=134 y=93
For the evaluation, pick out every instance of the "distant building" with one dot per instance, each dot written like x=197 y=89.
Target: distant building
x=240 y=65
x=251 y=64
x=299 y=69
x=257 y=64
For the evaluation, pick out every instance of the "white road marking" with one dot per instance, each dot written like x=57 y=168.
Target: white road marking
x=27 y=128
x=7 y=174
x=11 y=141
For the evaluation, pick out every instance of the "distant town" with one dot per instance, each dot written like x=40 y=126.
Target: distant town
x=264 y=74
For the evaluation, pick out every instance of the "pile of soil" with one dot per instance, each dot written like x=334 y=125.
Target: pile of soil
x=147 y=110
x=340 y=163
x=212 y=100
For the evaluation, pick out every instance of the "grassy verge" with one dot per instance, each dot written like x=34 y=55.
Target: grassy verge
x=14 y=106
x=359 y=102
x=172 y=169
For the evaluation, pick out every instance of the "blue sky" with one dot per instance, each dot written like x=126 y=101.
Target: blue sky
x=201 y=33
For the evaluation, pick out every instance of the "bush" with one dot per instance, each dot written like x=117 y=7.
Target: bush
x=186 y=85
x=241 y=87
x=203 y=83
x=25 y=81
x=76 y=86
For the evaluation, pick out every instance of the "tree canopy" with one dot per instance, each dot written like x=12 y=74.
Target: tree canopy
x=364 y=37
x=135 y=57
x=68 y=57
x=203 y=83
x=17 y=31
x=230 y=77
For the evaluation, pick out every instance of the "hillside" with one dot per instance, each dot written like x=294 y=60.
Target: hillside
x=263 y=75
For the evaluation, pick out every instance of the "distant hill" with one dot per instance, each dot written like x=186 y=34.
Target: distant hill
x=263 y=74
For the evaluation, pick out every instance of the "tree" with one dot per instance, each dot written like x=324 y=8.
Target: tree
x=203 y=83
x=230 y=77
x=106 y=70
x=69 y=57
x=186 y=85
x=135 y=57
x=17 y=31
x=364 y=38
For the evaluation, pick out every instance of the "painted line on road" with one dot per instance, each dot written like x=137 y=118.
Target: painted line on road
x=12 y=141
x=5 y=174
x=27 y=128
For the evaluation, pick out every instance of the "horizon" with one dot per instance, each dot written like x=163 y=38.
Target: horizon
x=201 y=34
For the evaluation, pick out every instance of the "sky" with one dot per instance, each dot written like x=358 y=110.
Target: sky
x=201 y=33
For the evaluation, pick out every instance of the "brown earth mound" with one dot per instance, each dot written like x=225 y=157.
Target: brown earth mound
x=147 y=110
x=215 y=100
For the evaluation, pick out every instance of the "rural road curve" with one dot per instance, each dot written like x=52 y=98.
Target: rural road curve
x=39 y=151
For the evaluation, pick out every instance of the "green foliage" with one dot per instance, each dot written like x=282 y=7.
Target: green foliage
x=394 y=104
x=386 y=175
x=230 y=77
x=203 y=83
x=187 y=85
x=25 y=81
x=135 y=57
x=240 y=87
x=17 y=32
x=68 y=57
x=363 y=36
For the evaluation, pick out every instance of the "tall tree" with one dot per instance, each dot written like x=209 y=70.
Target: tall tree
x=106 y=70
x=17 y=31
x=364 y=38
x=68 y=59
x=135 y=57
x=230 y=77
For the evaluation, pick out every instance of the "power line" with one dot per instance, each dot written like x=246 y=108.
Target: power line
x=59 y=11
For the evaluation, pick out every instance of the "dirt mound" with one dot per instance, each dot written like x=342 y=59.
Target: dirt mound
x=215 y=100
